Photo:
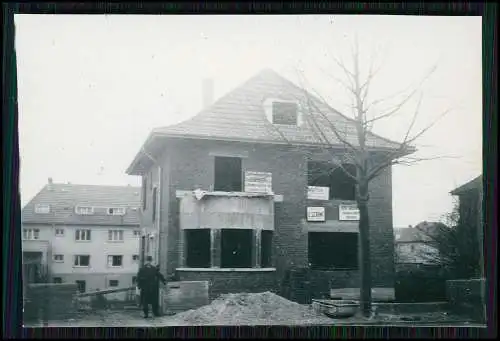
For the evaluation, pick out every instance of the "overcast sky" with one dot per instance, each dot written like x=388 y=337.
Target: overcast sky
x=91 y=87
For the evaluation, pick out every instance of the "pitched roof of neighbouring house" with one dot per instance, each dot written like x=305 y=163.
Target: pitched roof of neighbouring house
x=240 y=116
x=63 y=198
x=474 y=184
x=420 y=233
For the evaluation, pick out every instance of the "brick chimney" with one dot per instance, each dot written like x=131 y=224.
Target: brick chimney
x=208 y=92
x=49 y=183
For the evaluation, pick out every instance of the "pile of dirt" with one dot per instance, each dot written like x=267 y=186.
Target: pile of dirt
x=251 y=308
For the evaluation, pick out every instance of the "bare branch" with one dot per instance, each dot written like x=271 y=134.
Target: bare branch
x=405 y=145
x=340 y=63
x=365 y=87
x=423 y=131
x=395 y=109
x=414 y=119
x=313 y=107
x=338 y=80
x=312 y=121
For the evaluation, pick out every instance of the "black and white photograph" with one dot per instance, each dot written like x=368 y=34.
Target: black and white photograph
x=249 y=170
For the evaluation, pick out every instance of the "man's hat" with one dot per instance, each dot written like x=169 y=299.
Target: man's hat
x=149 y=259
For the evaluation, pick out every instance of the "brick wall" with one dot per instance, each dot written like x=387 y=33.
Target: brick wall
x=223 y=282
x=191 y=166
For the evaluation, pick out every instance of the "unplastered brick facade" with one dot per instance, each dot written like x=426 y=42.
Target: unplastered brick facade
x=183 y=158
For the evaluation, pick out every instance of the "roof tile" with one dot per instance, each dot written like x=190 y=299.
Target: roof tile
x=63 y=198
x=240 y=113
x=240 y=116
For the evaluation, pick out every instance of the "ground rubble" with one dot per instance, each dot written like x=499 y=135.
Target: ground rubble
x=264 y=308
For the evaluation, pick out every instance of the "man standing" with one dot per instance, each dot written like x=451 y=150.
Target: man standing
x=148 y=280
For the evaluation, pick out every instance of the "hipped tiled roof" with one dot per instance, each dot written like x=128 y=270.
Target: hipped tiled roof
x=474 y=184
x=421 y=233
x=62 y=199
x=240 y=116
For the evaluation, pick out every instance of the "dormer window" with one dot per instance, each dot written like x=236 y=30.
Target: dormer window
x=84 y=210
x=116 y=210
x=42 y=209
x=285 y=113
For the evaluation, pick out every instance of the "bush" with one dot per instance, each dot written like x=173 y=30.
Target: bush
x=416 y=283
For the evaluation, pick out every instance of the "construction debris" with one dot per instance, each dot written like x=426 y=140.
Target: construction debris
x=251 y=309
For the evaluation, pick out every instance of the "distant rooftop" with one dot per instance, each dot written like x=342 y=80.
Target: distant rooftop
x=418 y=234
x=63 y=198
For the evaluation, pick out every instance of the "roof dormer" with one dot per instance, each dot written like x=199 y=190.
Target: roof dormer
x=283 y=112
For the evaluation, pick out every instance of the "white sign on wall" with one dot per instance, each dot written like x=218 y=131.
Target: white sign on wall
x=348 y=212
x=258 y=182
x=318 y=193
x=315 y=214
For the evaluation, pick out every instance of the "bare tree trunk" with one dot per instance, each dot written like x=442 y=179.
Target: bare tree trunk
x=364 y=250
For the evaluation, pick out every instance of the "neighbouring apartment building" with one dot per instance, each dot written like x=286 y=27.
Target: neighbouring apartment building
x=414 y=245
x=83 y=234
x=244 y=192
x=470 y=210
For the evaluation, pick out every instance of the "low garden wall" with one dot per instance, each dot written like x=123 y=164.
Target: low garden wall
x=417 y=283
x=47 y=301
x=466 y=297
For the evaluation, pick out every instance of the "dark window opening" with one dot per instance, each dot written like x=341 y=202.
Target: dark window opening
x=198 y=248
x=266 y=246
x=228 y=175
x=333 y=250
x=155 y=192
x=115 y=260
x=236 y=248
x=323 y=174
x=57 y=280
x=82 y=260
x=81 y=285
x=144 y=192
x=113 y=283
x=285 y=113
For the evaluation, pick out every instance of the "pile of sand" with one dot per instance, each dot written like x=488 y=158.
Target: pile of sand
x=248 y=309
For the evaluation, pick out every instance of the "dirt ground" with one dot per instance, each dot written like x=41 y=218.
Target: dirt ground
x=248 y=309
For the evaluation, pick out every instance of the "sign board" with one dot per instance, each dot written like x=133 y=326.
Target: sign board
x=318 y=193
x=315 y=214
x=258 y=182
x=348 y=212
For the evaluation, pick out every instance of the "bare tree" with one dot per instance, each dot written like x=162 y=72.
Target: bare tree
x=456 y=245
x=343 y=149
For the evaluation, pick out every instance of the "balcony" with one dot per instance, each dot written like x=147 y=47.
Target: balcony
x=226 y=231
x=224 y=210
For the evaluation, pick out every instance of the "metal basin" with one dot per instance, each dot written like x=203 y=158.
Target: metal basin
x=336 y=309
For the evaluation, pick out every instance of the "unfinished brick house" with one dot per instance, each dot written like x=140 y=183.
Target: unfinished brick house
x=242 y=193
